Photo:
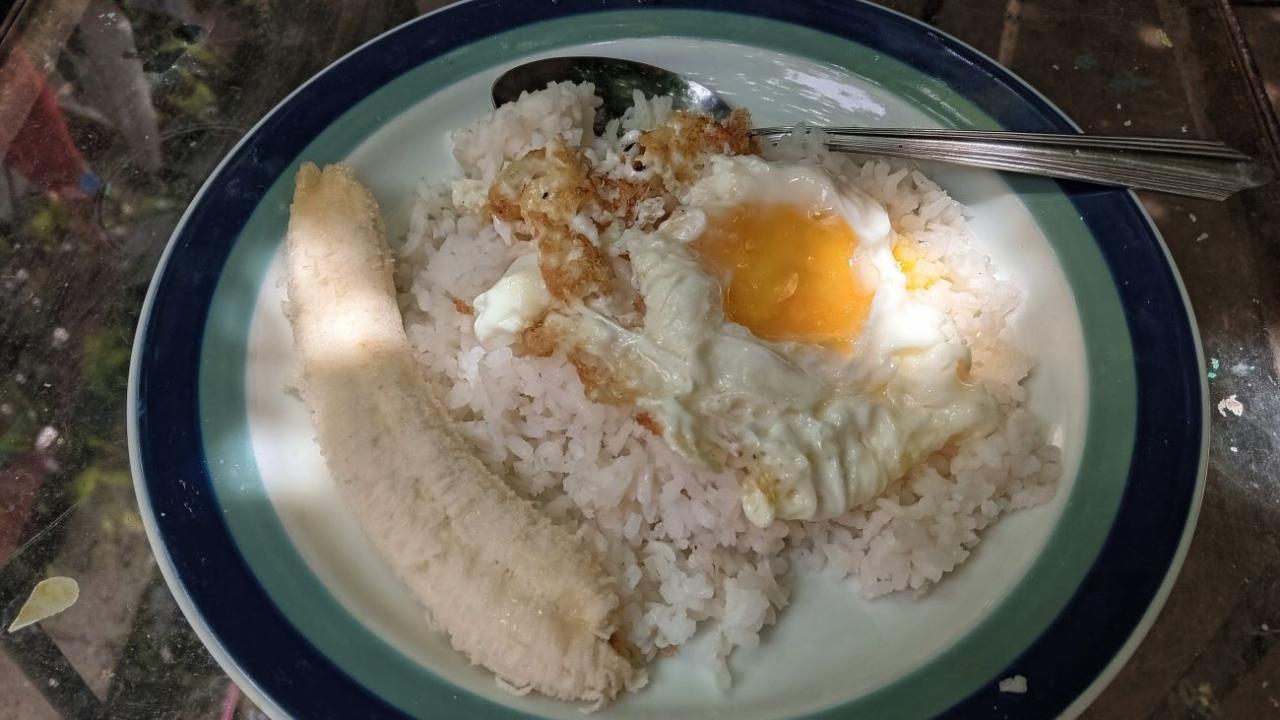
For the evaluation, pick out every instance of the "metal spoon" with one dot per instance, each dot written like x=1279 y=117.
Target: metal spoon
x=1199 y=168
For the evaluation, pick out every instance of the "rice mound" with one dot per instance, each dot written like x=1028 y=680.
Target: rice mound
x=674 y=532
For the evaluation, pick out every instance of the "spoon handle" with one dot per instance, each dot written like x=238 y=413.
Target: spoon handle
x=1211 y=176
x=1173 y=146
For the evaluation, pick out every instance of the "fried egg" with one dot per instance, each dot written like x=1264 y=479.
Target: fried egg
x=787 y=254
x=779 y=338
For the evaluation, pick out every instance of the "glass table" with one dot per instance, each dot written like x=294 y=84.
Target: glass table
x=112 y=114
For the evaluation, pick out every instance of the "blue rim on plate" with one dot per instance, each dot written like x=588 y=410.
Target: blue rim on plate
x=229 y=607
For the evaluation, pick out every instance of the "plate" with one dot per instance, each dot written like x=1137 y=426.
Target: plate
x=279 y=583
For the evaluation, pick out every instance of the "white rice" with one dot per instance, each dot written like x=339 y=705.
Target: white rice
x=675 y=532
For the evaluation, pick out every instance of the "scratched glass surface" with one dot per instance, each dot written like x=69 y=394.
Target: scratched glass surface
x=112 y=113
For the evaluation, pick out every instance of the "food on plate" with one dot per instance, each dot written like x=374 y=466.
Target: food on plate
x=517 y=593
x=672 y=365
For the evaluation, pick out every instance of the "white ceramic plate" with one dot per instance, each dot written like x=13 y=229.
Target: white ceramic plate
x=260 y=549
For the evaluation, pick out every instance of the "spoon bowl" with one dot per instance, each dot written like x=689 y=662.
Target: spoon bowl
x=615 y=80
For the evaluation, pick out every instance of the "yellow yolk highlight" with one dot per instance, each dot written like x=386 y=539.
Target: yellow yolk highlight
x=786 y=272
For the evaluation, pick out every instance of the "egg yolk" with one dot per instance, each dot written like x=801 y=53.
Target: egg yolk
x=786 y=272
